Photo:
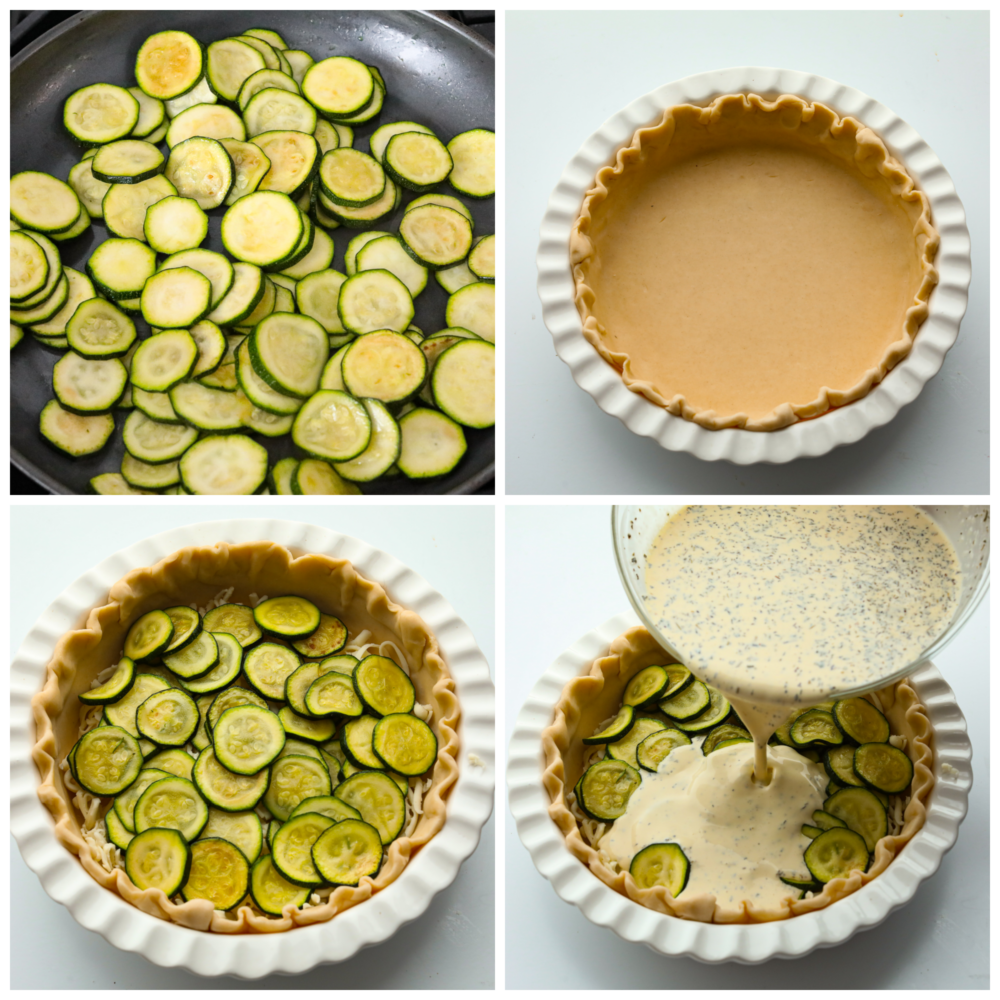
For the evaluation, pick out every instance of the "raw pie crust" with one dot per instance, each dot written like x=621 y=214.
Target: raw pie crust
x=753 y=263
x=590 y=699
x=197 y=574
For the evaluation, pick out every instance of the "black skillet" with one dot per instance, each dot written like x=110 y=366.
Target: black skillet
x=436 y=71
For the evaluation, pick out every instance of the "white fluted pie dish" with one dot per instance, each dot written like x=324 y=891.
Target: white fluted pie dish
x=746 y=943
x=810 y=437
x=251 y=956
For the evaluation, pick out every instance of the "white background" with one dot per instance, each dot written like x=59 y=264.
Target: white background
x=940 y=940
x=572 y=71
x=452 y=944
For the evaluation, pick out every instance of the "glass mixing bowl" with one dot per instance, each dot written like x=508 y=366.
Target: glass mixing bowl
x=634 y=529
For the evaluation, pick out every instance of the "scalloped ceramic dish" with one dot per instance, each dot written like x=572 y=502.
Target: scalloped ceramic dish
x=252 y=956
x=811 y=437
x=747 y=943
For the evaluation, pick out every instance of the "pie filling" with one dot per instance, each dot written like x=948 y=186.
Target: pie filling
x=753 y=263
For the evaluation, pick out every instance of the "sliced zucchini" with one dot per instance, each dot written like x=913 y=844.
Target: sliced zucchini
x=262 y=228
x=158 y=859
x=288 y=353
x=195 y=659
x=271 y=891
x=247 y=738
x=152 y=114
x=379 y=139
x=268 y=666
x=225 y=790
x=859 y=720
x=436 y=237
x=167 y=358
x=317 y=296
x=386 y=253
x=379 y=800
x=348 y=852
x=718 y=709
x=224 y=672
x=122 y=712
x=100 y=113
x=205 y=408
x=291 y=848
x=839 y=764
x=332 y=425
x=883 y=767
x=81 y=290
x=257 y=391
x=169 y=718
x=646 y=687
x=124 y=804
x=358 y=218
x=168 y=64
x=687 y=703
x=312 y=730
x=383 y=446
x=211 y=343
x=383 y=687
x=351 y=178
x=339 y=86
x=661 y=864
x=121 y=267
x=313 y=477
x=243 y=297
x=474 y=156
x=115 y=830
x=432 y=444
x=417 y=160
x=124 y=206
x=149 y=635
x=175 y=224
x=172 y=803
x=656 y=747
x=625 y=748
x=463 y=383
x=290 y=617
x=293 y=157
x=472 y=308
x=404 y=744
x=617 y=729
x=29 y=267
x=261 y=80
x=815 y=727
x=153 y=441
x=226 y=464
x=242 y=829
x=826 y=821
x=605 y=788
x=127 y=161
x=230 y=62
x=200 y=168
x=210 y=121
x=219 y=873
x=327 y=638
x=235 y=619
x=482 y=259
x=835 y=854
x=72 y=433
x=326 y=805
x=332 y=694
x=43 y=203
x=276 y=110
x=142 y=475
x=281 y=476
x=178 y=762
x=861 y=811
x=318 y=259
x=115 y=687
x=106 y=760
x=294 y=778
x=384 y=365
x=88 y=386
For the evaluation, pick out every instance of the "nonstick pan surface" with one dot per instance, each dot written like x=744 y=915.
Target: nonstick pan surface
x=436 y=72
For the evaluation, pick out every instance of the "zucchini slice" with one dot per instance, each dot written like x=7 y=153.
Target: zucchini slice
x=106 y=760
x=351 y=178
x=115 y=830
x=175 y=224
x=235 y=619
x=88 y=386
x=225 y=790
x=120 y=268
x=257 y=391
x=473 y=308
x=271 y=891
x=417 y=160
x=29 y=267
x=176 y=762
x=332 y=425
x=339 y=86
x=72 y=433
x=168 y=717
x=88 y=188
x=815 y=728
x=211 y=342
x=290 y=617
x=274 y=109
x=326 y=805
x=229 y=698
x=158 y=859
x=219 y=873
x=205 y=408
x=379 y=800
x=384 y=365
x=172 y=803
x=432 y=444
x=332 y=694
x=224 y=672
x=474 y=156
x=293 y=157
x=288 y=353
x=386 y=253
x=81 y=289
x=482 y=259
x=436 y=237
x=656 y=747
x=317 y=295
x=445 y=200
x=314 y=477
x=124 y=805
x=312 y=730
x=226 y=464
x=383 y=447
x=291 y=848
x=247 y=738
x=718 y=709
x=839 y=764
x=114 y=688
x=318 y=259
x=605 y=788
x=861 y=811
x=405 y=744
x=294 y=778
x=835 y=854
x=883 y=767
x=166 y=359
x=358 y=218
x=127 y=161
x=149 y=635
x=100 y=113
x=262 y=228
x=646 y=687
x=268 y=666
x=383 y=687
x=297 y=685
x=859 y=720
x=626 y=747
x=261 y=80
x=43 y=203
x=142 y=475
x=124 y=206
x=463 y=383
x=329 y=637
x=346 y=853
x=242 y=829
x=826 y=821
x=154 y=441
x=243 y=297
x=168 y=64
x=687 y=703
x=122 y=712
x=201 y=93
x=195 y=659
x=230 y=62
x=250 y=166
x=661 y=864
x=210 y=121
x=200 y=168
x=379 y=139
x=151 y=114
